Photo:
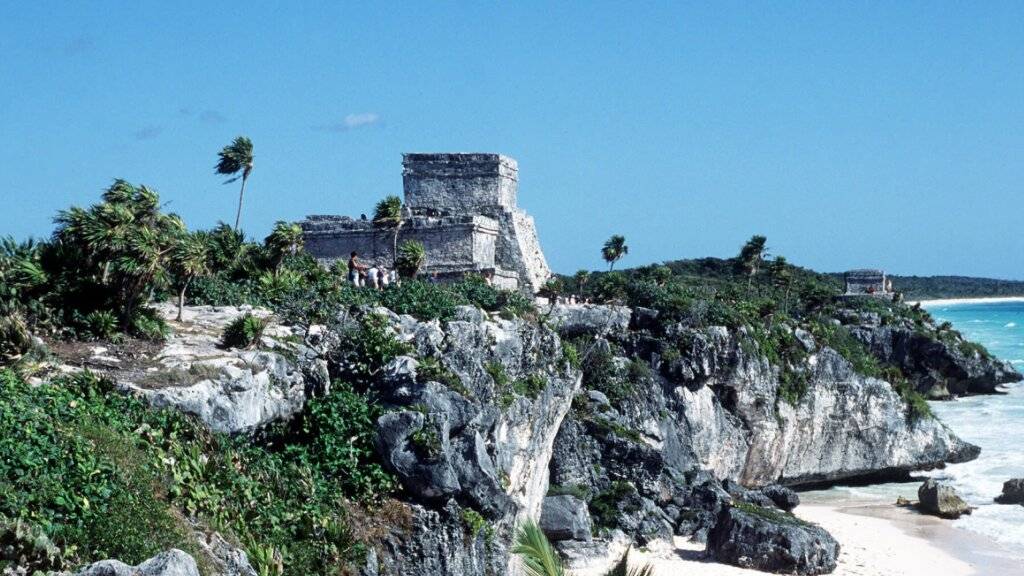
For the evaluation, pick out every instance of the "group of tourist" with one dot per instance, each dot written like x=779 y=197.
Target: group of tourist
x=373 y=276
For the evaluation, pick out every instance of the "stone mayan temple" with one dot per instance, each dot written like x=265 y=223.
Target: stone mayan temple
x=462 y=207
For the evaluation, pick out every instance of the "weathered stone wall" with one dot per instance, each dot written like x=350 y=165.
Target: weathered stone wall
x=865 y=281
x=453 y=244
x=463 y=211
x=459 y=183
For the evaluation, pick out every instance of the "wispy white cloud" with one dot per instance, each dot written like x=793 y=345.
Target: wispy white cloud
x=352 y=122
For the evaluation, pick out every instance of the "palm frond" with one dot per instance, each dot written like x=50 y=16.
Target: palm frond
x=538 y=556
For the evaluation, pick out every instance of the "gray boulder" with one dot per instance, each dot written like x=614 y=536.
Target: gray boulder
x=228 y=560
x=941 y=500
x=1013 y=492
x=174 y=562
x=565 y=518
x=771 y=541
x=593 y=319
x=783 y=498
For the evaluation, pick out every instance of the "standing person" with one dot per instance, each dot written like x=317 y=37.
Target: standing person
x=371 y=275
x=355 y=267
x=383 y=277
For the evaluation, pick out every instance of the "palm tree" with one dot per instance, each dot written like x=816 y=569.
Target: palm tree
x=236 y=160
x=388 y=214
x=189 y=261
x=614 y=249
x=285 y=239
x=752 y=254
x=581 y=277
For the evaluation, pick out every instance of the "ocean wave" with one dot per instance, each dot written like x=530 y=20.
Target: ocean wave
x=1010 y=325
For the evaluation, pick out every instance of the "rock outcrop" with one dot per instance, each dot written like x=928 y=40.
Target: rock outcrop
x=565 y=517
x=940 y=500
x=171 y=563
x=478 y=443
x=938 y=367
x=1013 y=492
x=749 y=536
x=232 y=391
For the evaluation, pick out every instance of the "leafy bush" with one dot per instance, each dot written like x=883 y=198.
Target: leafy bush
x=104 y=475
x=15 y=341
x=578 y=490
x=476 y=524
x=244 y=331
x=605 y=506
x=411 y=256
x=367 y=348
x=335 y=434
x=101 y=324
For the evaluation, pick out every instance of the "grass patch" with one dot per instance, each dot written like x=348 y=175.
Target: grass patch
x=769 y=514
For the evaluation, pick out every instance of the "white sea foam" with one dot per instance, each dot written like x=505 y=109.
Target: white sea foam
x=995 y=423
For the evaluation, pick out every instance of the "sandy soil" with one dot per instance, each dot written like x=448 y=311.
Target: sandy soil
x=875 y=540
x=953 y=301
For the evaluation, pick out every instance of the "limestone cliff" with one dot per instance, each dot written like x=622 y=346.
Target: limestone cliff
x=487 y=416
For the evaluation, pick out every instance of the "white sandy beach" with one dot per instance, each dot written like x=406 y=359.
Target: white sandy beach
x=955 y=301
x=875 y=540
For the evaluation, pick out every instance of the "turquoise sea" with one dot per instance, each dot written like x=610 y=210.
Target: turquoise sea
x=995 y=423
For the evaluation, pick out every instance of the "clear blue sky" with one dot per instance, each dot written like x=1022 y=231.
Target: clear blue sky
x=851 y=134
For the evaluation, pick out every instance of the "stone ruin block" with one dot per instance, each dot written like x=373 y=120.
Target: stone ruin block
x=462 y=207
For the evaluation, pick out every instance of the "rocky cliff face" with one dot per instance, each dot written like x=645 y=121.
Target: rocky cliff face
x=470 y=440
x=490 y=421
x=705 y=405
x=939 y=367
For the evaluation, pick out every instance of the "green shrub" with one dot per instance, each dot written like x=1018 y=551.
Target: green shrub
x=101 y=324
x=430 y=369
x=476 y=524
x=606 y=505
x=244 y=331
x=148 y=325
x=601 y=373
x=571 y=355
x=104 y=475
x=15 y=341
x=411 y=256
x=531 y=386
x=578 y=490
x=368 y=348
x=425 y=441
x=336 y=434
x=422 y=300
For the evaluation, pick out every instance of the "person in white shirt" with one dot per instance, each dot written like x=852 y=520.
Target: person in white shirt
x=383 y=277
x=371 y=276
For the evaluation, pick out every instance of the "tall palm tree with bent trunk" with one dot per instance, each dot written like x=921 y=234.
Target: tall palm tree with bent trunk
x=236 y=160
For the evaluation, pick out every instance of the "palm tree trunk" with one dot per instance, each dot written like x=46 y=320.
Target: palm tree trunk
x=241 y=193
x=181 y=298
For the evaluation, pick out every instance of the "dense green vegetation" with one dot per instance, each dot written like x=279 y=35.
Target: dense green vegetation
x=104 y=475
x=934 y=287
x=768 y=297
